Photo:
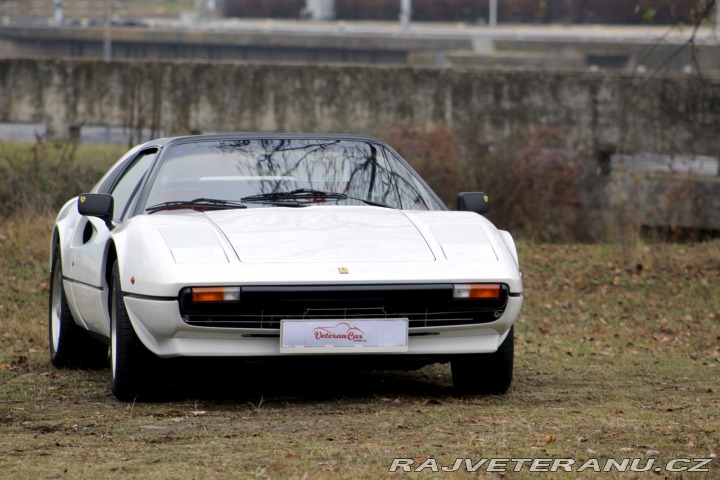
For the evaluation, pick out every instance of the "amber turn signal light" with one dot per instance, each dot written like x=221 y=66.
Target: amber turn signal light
x=215 y=294
x=487 y=291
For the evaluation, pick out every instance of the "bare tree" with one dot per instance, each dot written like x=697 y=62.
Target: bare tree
x=706 y=8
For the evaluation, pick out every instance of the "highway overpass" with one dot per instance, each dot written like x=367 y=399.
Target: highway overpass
x=643 y=49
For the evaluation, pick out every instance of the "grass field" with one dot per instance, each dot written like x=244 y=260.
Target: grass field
x=617 y=356
x=96 y=8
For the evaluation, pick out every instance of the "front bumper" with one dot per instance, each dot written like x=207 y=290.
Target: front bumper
x=163 y=331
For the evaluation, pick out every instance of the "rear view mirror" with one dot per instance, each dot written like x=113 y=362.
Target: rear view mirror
x=477 y=202
x=98 y=205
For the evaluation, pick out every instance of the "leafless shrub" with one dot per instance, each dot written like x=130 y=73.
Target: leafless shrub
x=534 y=190
x=542 y=188
x=436 y=157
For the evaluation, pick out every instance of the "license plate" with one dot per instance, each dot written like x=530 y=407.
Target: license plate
x=344 y=336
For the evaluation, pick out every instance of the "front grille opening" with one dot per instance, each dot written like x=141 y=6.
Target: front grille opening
x=264 y=307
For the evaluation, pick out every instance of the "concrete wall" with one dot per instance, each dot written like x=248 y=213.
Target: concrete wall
x=593 y=115
x=589 y=112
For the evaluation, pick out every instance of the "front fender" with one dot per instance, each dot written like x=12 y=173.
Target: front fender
x=510 y=243
x=64 y=225
x=144 y=260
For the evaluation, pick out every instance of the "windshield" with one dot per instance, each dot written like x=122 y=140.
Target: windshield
x=293 y=172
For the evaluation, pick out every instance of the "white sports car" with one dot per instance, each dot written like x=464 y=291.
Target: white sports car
x=285 y=246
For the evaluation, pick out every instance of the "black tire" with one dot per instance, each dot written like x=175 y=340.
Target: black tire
x=70 y=345
x=132 y=365
x=485 y=373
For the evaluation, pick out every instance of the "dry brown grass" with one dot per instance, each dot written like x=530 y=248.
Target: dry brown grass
x=618 y=355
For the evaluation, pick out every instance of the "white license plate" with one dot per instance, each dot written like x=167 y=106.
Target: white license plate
x=344 y=336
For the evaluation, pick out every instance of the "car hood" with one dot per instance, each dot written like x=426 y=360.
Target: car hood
x=322 y=234
x=161 y=253
x=351 y=234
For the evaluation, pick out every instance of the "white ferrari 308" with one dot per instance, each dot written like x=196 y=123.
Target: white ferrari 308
x=288 y=246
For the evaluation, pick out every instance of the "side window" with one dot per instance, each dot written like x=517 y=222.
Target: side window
x=126 y=188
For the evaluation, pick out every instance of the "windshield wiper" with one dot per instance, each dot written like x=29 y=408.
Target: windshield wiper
x=204 y=203
x=296 y=197
x=300 y=193
x=371 y=202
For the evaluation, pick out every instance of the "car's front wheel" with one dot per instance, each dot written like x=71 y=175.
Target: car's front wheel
x=70 y=345
x=131 y=363
x=485 y=373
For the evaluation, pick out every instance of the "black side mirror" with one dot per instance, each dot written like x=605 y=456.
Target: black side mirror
x=477 y=202
x=98 y=205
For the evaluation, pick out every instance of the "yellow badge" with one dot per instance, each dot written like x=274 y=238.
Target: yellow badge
x=487 y=199
x=82 y=199
x=343 y=270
